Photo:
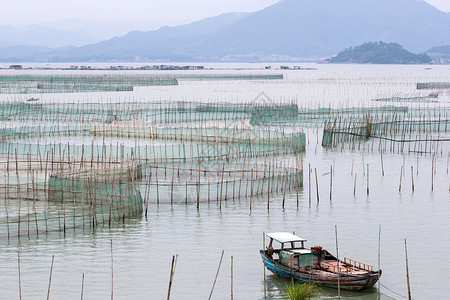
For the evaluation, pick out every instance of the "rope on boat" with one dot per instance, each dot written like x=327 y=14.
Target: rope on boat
x=393 y=291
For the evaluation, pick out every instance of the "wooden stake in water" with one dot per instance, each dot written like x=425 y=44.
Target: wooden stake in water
x=148 y=194
x=331 y=182
x=364 y=171
x=407 y=272
x=412 y=179
x=354 y=185
x=231 y=277
x=217 y=274
x=284 y=189
x=157 y=188
x=367 y=179
x=264 y=267
x=268 y=192
x=82 y=286
x=297 y=186
x=353 y=162
x=379 y=259
x=112 y=272
x=400 y=184
x=337 y=259
x=432 y=174
x=309 y=182
x=317 y=186
x=20 y=283
x=50 y=278
x=172 y=274
x=251 y=189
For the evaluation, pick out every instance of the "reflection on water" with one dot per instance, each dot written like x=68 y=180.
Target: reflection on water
x=275 y=289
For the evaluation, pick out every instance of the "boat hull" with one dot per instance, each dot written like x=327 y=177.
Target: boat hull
x=328 y=279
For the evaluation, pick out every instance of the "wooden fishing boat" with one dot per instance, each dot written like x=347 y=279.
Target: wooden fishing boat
x=315 y=265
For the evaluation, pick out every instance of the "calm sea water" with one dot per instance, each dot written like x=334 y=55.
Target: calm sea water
x=143 y=248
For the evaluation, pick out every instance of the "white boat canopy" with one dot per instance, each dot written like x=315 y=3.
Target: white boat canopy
x=285 y=237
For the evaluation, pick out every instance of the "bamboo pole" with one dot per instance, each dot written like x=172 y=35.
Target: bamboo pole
x=367 y=179
x=268 y=191
x=50 y=278
x=20 y=281
x=148 y=194
x=338 y=264
x=284 y=189
x=379 y=259
x=362 y=156
x=217 y=274
x=407 y=272
x=157 y=187
x=331 y=182
x=432 y=174
x=82 y=286
x=317 y=185
x=112 y=272
x=417 y=166
x=309 y=182
x=232 y=296
x=264 y=267
x=251 y=189
x=353 y=162
x=172 y=274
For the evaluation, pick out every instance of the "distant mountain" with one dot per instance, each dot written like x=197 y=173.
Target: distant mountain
x=441 y=53
x=162 y=44
x=17 y=53
x=41 y=36
x=28 y=53
x=289 y=29
x=101 y=30
x=379 y=53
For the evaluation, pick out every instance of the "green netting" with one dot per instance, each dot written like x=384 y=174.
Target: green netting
x=28 y=84
x=216 y=180
x=424 y=99
x=77 y=165
x=420 y=135
x=170 y=112
x=217 y=77
x=210 y=135
x=433 y=86
x=274 y=114
x=83 y=154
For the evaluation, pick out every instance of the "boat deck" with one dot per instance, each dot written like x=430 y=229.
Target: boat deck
x=333 y=266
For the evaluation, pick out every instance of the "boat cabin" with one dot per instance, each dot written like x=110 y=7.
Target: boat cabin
x=289 y=254
x=285 y=237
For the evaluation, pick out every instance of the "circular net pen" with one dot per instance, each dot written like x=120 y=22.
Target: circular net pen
x=216 y=181
x=69 y=201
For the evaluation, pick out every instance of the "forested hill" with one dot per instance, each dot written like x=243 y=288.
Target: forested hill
x=379 y=53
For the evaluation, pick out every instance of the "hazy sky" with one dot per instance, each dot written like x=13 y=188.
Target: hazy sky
x=162 y=12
